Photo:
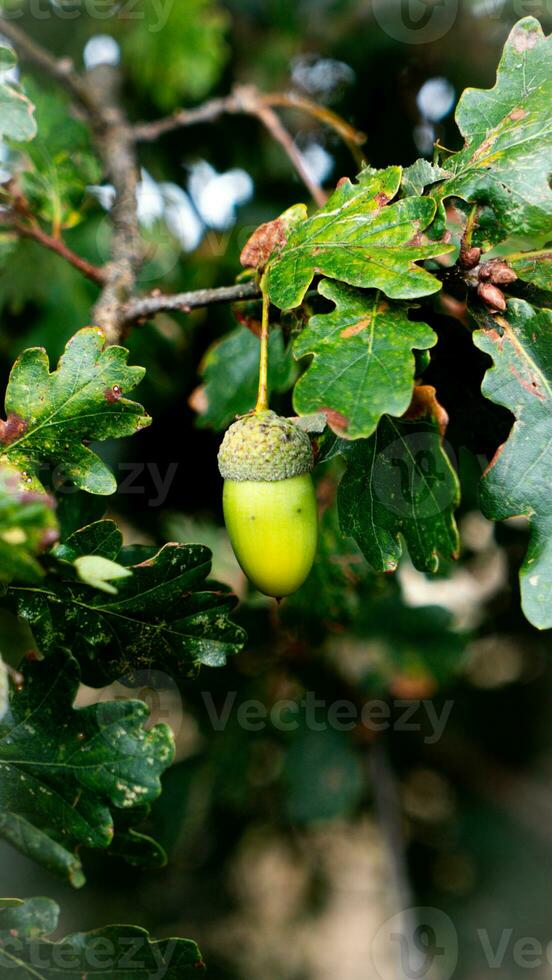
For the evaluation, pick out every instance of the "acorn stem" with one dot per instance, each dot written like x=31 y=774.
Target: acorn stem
x=262 y=396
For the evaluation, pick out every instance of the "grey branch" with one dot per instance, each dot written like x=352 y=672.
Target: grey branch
x=147 y=306
x=116 y=147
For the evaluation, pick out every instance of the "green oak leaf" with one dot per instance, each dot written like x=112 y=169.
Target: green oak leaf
x=359 y=238
x=363 y=366
x=230 y=372
x=519 y=477
x=534 y=267
x=121 y=951
x=400 y=482
x=27 y=527
x=508 y=132
x=420 y=175
x=49 y=415
x=16 y=111
x=62 y=770
x=164 y=615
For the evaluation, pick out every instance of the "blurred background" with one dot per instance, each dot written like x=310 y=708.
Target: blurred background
x=292 y=846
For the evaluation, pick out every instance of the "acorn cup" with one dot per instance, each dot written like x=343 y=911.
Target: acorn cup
x=269 y=501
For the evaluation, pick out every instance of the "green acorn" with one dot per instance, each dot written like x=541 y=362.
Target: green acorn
x=269 y=501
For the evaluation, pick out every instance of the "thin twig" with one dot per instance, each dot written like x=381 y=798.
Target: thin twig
x=148 y=132
x=61 y=69
x=247 y=100
x=57 y=245
x=147 y=306
x=253 y=105
x=352 y=137
x=262 y=396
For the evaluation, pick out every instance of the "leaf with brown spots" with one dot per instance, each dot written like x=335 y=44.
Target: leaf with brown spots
x=363 y=365
x=63 y=770
x=51 y=415
x=359 y=238
x=271 y=237
x=519 y=478
x=505 y=163
x=113 y=951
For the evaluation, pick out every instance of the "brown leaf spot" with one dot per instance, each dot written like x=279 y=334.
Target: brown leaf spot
x=531 y=386
x=524 y=40
x=382 y=199
x=338 y=422
x=494 y=459
x=518 y=114
x=12 y=429
x=424 y=404
x=341 y=181
x=250 y=322
x=113 y=394
x=263 y=242
x=355 y=328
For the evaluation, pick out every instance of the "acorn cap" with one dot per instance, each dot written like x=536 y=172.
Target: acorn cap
x=264 y=446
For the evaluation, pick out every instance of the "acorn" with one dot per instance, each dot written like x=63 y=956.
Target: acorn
x=269 y=501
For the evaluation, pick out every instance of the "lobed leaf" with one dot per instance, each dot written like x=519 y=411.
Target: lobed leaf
x=363 y=366
x=49 y=415
x=359 y=238
x=508 y=132
x=62 y=770
x=519 y=477
x=164 y=615
x=400 y=482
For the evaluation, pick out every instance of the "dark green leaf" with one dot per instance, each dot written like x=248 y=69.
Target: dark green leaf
x=165 y=614
x=508 y=131
x=363 y=364
x=519 y=478
x=231 y=373
x=358 y=237
x=62 y=770
x=49 y=415
x=126 y=952
x=400 y=483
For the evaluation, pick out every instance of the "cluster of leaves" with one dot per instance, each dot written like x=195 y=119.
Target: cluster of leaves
x=85 y=777
x=369 y=353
